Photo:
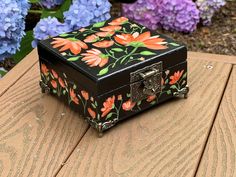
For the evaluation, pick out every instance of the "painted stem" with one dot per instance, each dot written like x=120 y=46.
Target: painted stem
x=130 y=54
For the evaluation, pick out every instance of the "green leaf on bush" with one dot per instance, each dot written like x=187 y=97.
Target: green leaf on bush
x=33 y=1
x=174 y=44
x=25 y=47
x=117 y=49
x=103 y=71
x=99 y=24
x=146 y=53
x=73 y=58
x=2 y=72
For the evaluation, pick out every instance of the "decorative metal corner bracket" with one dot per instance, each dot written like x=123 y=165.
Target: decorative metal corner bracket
x=44 y=87
x=182 y=92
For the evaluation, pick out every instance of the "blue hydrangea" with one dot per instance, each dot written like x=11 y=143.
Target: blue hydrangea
x=51 y=3
x=143 y=12
x=12 y=26
x=85 y=12
x=178 y=15
x=208 y=8
x=48 y=27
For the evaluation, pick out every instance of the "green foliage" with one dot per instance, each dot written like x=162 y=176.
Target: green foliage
x=25 y=48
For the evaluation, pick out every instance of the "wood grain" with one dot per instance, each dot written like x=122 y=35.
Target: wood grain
x=164 y=142
x=37 y=132
x=219 y=158
x=19 y=70
x=212 y=57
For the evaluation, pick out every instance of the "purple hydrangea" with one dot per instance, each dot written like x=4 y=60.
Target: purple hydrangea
x=207 y=9
x=143 y=12
x=178 y=15
x=51 y=3
x=12 y=26
x=85 y=12
x=48 y=27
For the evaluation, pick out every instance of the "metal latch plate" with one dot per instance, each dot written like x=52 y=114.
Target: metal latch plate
x=146 y=82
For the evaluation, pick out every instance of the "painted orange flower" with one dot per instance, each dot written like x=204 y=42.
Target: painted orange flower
x=91 y=38
x=108 y=31
x=54 y=74
x=175 y=78
x=61 y=82
x=85 y=94
x=54 y=84
x=104 y=44
x=108 y=105
x=151 y=98
x=119 y=21
x=73 y=96
x=44 y=69
x=128 y=105
x=74 y=45
x=92 y=113
x=94 y=58
x=119 y=97
x=141 y=40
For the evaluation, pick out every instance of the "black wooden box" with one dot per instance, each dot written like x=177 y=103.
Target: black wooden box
x=112 y=70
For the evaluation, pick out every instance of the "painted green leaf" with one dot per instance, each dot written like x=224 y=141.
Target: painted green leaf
x=64 y=35
x=99 y=24
x=117 y=49
x=184 y=76
x=94 y=106
x=64 y=92
x=103 y=71
x=109 y=115
x=147 y=53
x=168 y=92
x=139 y=103
x=74 y=86
x=173 y=87
x=167 y=80
x=73 y=58
x=54 y=91
x=152 y=103
x=174 y=44
x=128 y=95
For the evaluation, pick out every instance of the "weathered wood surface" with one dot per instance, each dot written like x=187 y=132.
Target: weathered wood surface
x=166 y=141
x=37 y=133
x=219 y=158
x=18 y=71
x=212 y=57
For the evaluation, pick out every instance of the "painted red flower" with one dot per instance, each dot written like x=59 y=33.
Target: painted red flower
x=92 y=113
x=119 y=21
x=175 y=78
x=108 y=31
x=94 y=58
x=54 y=84
x=61 y=82
x=91 y=38
x=104 y=44
x=54 y=74
x=141 y=40
x=151 y=98
x=128 y=105
x=74 y=45
x=73 y=96
x=85 y=94
x=44 y=69
x=108 y=106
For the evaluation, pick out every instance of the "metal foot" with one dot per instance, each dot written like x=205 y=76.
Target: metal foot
x=100 y=134
x=44 y=87
x=183 y=92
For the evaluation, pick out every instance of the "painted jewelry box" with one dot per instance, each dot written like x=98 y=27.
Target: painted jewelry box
x=112 y=70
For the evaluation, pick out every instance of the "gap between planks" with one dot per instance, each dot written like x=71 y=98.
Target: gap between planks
x=213 y=122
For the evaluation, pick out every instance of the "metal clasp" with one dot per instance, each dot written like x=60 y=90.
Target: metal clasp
x=146 y=82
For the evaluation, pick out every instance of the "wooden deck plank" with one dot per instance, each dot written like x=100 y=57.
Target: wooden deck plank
x=166 y=141
x=212 y=57
x=19 y=70
x=37 y=132
x=219 y=158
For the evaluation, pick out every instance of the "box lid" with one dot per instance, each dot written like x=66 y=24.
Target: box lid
x=105 y=53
